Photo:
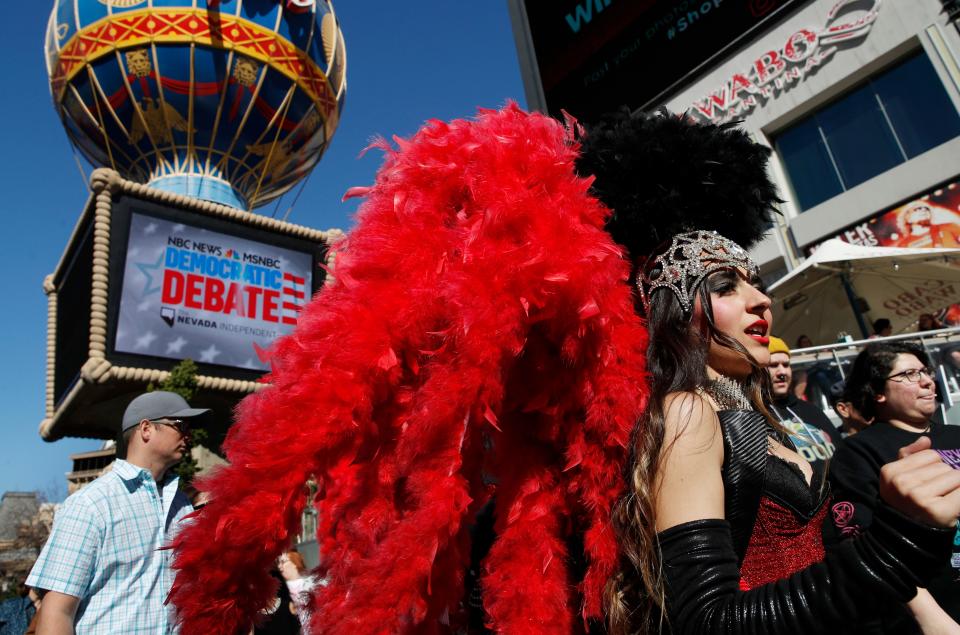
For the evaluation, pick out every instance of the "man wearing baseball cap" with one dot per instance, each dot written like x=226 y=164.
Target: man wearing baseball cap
x=811 y=431
x=102 y=566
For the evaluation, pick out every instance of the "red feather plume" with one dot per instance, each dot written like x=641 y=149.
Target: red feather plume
x=479 y=340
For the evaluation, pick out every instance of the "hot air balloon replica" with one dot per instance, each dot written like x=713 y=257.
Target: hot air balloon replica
x=232 y=102
x=194 y=114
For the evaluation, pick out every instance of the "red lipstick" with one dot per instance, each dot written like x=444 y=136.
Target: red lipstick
x=758 y=331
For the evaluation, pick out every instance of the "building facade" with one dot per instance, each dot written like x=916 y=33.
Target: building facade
x=859 y=100
x=25 y=523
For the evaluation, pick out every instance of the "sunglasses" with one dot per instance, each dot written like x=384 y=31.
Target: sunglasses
x=179 y=425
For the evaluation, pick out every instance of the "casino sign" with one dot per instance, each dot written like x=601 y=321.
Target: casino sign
x=778 y=70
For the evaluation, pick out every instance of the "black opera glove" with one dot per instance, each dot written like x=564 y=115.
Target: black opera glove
x=885 y=564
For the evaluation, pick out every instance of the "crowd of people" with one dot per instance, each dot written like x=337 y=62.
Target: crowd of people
x=744 y=508
x=786 y=560
x=887 y=402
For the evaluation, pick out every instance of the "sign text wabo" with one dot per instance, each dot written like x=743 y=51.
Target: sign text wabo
x=778 y=70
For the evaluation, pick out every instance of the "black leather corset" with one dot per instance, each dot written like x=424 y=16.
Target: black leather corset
x=745 y=434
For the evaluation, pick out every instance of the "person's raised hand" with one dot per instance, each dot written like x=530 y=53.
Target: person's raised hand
x=920 y=485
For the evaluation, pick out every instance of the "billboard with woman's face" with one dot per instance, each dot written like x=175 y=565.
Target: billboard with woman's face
x=931 y=220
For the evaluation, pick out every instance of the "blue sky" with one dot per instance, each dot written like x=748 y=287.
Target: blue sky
x=407 y=62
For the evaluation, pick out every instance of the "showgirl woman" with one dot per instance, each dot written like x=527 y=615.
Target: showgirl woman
x=721 y=526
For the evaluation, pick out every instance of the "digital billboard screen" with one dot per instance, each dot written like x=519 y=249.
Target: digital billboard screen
x=596 y=55
x=220 y=298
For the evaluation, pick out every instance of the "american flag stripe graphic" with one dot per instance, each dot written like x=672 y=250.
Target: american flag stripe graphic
x=294 y=297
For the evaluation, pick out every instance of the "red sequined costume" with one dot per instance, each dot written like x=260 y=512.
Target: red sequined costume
x=776 y=517
x=787 y=535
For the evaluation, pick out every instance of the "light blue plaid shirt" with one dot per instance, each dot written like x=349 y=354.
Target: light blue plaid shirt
x=104 y=549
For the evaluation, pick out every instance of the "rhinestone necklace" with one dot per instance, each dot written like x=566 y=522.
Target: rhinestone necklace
x=728 y=394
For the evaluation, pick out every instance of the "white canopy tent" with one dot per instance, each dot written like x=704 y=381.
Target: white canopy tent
x=843 y=287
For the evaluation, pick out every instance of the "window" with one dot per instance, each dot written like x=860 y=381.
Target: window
x=890 y=119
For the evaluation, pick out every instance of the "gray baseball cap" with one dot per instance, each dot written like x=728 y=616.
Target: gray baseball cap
x=159 y=404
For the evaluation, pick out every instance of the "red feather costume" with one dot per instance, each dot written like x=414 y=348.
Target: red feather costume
x=480 y=339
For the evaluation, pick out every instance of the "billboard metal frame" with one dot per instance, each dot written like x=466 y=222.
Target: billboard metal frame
x=88 y=405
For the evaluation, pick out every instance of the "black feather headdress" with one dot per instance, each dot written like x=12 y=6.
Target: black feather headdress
x=662 y=174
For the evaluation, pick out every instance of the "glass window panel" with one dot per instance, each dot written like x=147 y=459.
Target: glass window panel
x=808 y=165
x=860 y=140
x=917 y=104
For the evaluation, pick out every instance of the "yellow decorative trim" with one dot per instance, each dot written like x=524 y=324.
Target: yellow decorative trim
x=122 y=4
x=101 y=274
x=152 y=375
x=208 y=208
x=334 y=236
x=50 y=290
x=140 y=27
x=49 y=423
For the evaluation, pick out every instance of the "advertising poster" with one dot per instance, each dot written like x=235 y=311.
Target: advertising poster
x=931 y=220
x=211 y=297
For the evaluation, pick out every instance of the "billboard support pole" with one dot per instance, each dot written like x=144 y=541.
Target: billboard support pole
x=852 y=297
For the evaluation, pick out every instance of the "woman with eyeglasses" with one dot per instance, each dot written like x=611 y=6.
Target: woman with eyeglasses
x=894 y=384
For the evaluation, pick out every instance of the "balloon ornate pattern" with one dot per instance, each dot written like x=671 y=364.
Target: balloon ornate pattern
x=234 y=101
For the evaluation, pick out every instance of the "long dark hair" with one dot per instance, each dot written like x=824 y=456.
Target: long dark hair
x=677 y=359
x=661 y=175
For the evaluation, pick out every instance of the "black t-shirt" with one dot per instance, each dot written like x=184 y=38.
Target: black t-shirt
x=855 y=479
x=812 y=432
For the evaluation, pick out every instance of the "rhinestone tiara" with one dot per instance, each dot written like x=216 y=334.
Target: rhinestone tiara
x=691 y=257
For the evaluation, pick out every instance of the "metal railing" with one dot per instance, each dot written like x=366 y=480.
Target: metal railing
x=832 y=362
